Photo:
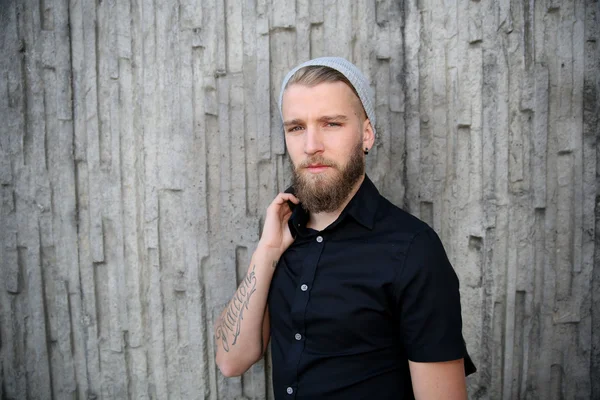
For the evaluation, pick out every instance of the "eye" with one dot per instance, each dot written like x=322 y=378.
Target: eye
x=294 y=128
x=334 y=124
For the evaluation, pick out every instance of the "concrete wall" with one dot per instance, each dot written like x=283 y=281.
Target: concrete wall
x=140 y=143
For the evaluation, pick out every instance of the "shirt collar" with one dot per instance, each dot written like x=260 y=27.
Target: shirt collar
x=362 y=207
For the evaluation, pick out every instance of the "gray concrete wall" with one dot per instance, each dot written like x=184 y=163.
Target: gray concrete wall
x=140 y=144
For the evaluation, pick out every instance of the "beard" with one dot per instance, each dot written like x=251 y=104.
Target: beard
x=326 y=192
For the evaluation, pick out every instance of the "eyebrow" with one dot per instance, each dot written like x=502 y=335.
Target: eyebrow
x=325 y=118
x=339 y=117
x=292 y=122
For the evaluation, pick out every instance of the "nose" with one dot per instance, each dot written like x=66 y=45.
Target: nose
x=313 y=141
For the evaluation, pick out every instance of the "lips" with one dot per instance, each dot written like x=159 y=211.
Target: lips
x=316 y=165
x=316 y=168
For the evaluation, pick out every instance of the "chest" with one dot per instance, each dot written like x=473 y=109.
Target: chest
x=337 y=295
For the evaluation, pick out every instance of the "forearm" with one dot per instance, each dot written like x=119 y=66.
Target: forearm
x=439 y=380
x=239 y=329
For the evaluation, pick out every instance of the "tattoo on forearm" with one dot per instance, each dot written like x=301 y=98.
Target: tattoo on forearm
x=230 y=322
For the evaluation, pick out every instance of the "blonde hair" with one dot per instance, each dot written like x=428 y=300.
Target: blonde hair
x=313 y=75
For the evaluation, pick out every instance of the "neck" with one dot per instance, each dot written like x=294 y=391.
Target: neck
x=321 y=220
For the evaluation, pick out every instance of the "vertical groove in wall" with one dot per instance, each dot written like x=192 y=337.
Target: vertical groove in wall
x=591 y=110
x=537 y=358
x=25 y=44
x=263 y=85
x=510 y=363
x=483 y=380
x=379 y=163
x=489 y=104
x=249 y=107
x=412 y=119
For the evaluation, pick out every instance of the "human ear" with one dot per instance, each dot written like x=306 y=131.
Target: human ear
x=368 y=135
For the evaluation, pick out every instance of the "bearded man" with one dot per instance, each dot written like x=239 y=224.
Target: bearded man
x=357 y=296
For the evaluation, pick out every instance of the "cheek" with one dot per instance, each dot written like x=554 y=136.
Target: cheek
x=344 y=143
x=294 y=147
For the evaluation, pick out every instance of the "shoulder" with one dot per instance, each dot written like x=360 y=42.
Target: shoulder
x=390 y=217
x=402 y=230
x=419 y=249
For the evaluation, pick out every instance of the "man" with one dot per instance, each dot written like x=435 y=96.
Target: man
x=357 y=296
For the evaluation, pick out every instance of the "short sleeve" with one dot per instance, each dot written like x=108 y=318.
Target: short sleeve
x=428 y=302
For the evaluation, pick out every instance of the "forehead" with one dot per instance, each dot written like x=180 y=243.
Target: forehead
x=326 y=97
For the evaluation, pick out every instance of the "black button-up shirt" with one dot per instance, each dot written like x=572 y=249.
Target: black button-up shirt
x=351 y=304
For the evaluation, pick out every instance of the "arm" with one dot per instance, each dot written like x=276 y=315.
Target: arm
x=431 y=321
x=242 y=331
x=438 y=380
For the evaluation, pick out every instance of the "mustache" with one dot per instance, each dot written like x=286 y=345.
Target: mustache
x=320 y=160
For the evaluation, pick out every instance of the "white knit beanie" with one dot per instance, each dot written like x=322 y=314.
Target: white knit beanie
x=350 y=71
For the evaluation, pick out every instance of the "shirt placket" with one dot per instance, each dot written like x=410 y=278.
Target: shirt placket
x=298 y=309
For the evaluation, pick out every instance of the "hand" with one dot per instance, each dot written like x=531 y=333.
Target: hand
x=276 y=234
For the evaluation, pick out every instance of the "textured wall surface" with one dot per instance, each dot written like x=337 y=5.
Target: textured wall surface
x=140 y=144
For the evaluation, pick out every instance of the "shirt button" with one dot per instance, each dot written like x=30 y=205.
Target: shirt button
x=298 y=336
x=319 y=239
x=290 y=390
x=304 y=288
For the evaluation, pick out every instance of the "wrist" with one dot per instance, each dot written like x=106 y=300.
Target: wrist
x=265 y=254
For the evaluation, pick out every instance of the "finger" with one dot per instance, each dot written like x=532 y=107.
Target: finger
x=283 y=197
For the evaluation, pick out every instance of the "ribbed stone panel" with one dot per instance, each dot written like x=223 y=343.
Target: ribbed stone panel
x=140 y=144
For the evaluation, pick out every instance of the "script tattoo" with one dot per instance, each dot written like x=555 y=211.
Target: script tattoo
x=230 y=322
